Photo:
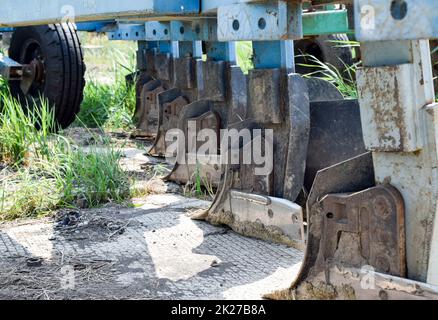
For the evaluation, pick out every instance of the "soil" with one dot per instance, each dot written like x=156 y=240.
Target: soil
x=149 y=248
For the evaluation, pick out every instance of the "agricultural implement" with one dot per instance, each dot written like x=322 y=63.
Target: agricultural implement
x=352 y=182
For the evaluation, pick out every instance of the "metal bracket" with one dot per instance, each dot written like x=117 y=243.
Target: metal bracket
x=10 y=69
x=134 y=32
x=390 y=114
x=197 y=30
x=378 y=20
x=260 y=21
x=157 y=31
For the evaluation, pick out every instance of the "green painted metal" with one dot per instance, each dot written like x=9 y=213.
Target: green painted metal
x=325 y=22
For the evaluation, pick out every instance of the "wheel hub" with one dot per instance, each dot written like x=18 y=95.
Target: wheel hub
x=34 y=69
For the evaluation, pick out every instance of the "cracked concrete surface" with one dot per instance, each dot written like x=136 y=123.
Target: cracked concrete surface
x=162 y=254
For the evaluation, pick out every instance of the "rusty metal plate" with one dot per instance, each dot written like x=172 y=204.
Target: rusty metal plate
x=184 y=73
x=148 y=124
x=351 y=175
x=250 y=210
x=170 y=104
x=335 y=135
x=143 y=79
x=389 y=108
x=163 y=66
x=211 y=80
x=361 y=251
x=208 y=174
x=363 y=284
x=290 y=134
x=265 y=95
x=150 y=62
x=321 y=90
x=365 y=228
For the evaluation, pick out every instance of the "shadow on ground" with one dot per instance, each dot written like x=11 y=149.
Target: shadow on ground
x=152 y=252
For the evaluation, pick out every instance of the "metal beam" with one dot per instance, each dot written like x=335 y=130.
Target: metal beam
x=128 y=32
x=325 y=22
x=94 y=26
x=34 y=12
x=206 y=29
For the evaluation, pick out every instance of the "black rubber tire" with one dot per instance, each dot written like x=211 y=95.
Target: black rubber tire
x=326 y=49
x=63 y=80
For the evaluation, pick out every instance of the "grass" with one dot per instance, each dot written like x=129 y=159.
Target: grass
x=244 y=56
x=19 y=136
x=43 y=171
x=93 y=176
x=110 y=106
x=109 y=102
x=345 y=81
x=200 y=186
x=27 y=194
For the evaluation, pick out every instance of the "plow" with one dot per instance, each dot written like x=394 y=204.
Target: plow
x=352 y=182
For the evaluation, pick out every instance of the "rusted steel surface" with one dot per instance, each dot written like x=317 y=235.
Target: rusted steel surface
x=208 y=175
x=321 y=90
x=365 y=228
x=170 y=104
x=363 y=284
x=155 y=96
x=148 y=119
x=391 y=119
x=221 y=91
x=335 y=135
x=183 y=90
x=400 y=126
x=352 y=230
x=289 y=118
x=351 y=175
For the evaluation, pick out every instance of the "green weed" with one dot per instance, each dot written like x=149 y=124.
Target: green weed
x=109 y=101
x=43 y=171
x=345 y=81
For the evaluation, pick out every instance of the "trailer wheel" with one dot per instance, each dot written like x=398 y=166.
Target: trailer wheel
x=55 y=54
x=325 y=48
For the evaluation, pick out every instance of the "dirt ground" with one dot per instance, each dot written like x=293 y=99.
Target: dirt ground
x=146 y=249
